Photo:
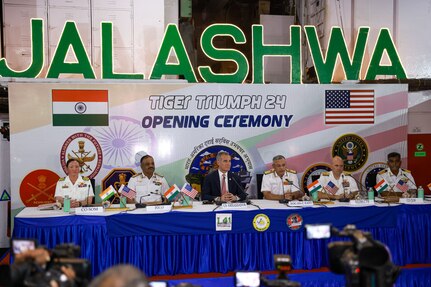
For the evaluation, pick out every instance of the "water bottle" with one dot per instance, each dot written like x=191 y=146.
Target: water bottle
x=123 y=202
x=420 y=192
x=66 y=204
x=370 y=194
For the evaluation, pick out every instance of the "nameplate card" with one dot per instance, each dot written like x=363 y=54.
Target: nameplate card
x=89 y=210
x=297 y=203
x=234 y=205
x=159 y=208
x=413 y=200
x=362 y=202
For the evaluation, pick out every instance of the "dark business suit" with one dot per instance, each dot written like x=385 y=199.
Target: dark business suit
x=212 y=189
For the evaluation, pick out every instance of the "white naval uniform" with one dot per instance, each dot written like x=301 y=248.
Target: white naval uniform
x=393 y=179
x=349 y=183
x=148 y=190
x=279 y=185
x=78 y=191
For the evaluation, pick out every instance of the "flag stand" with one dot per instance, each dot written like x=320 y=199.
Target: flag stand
x=182 y=201
x=111 y=201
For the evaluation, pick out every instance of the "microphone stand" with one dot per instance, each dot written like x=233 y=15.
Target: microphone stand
x=362 y=188
x=284 y=200
x=344 y=199
x=246 y=200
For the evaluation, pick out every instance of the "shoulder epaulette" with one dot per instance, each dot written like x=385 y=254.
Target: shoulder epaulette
x=85 y=178
x=158 y=174
x=347 y=173
x=136 y=175
x=268 y=171
x=61 y=179
x=325 y=173
x=383 y=171
x=406 y=170
x=291 y=171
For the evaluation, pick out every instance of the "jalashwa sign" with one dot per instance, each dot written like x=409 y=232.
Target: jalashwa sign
x=352 y=63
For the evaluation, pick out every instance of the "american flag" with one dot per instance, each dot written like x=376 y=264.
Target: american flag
x=127 y=192
x=188 y=190
x=349 y=107
x=331 y=188
x=401 y=185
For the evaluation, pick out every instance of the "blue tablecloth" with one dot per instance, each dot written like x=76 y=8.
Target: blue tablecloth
x=418 y=277
x=186 y=242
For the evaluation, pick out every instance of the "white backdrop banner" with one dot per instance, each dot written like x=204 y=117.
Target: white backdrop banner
x=183 y=126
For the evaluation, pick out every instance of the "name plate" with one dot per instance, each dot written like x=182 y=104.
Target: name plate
x=234 y=205
x=297 y=203
x=159 y=208
x=89 y=210
x=411 y=200
x=362 y=202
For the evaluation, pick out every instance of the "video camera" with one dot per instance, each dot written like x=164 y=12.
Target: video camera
x=364 y=261
x=29 y=273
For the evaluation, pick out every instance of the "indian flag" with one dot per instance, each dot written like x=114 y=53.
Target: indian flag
x=314 y=186
x=381 y=186
x=172 y=192
x=107 y=193
x=429 y=186
x=80 y=108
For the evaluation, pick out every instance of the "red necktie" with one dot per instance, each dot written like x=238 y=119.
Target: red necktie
x=223 y=185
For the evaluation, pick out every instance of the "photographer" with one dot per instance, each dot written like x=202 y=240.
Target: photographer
x=29 y=269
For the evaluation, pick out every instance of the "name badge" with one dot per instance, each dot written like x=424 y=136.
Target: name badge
x=89 y=210
x=234 y=205
x=412 y=200
x=297 y=203
x=159 y=208
x=362 y=202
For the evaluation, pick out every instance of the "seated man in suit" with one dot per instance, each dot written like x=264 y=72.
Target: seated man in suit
x=336 y=183
x=399 y=180
x=280 y=182
x=221 y=184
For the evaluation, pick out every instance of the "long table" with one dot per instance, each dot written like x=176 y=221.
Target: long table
x=186 y=241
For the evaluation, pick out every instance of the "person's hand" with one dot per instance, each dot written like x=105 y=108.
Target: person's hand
x=228 y=197
x=288 y=196
x=74 y=203
x=405 y=195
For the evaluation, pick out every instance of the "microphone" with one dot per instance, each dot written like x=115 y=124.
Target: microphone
x=246 y=200
x=344 y=199
x=361 y=187
x=284 y=200
x=88 y=194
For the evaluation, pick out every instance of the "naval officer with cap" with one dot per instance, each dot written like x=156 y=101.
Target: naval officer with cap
x=280 y=183
x=149 y=185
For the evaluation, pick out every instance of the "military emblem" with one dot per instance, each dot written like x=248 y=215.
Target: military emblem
x=294 y=221
x=312 y=173
x=261 y=222
x=38 y=187
x=205 y=162
x=353 y=150
x=117 y=177
x=368 y=176
x=86 y=150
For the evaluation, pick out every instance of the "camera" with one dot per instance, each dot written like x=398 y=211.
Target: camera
x=283 y=264
x=30 y=273
x=364 y=261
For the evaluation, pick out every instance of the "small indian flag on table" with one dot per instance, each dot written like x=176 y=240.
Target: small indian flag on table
x=172 y=192
x=381 y=186
x=314 y=186
x=107 y=193
x=80 y=108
